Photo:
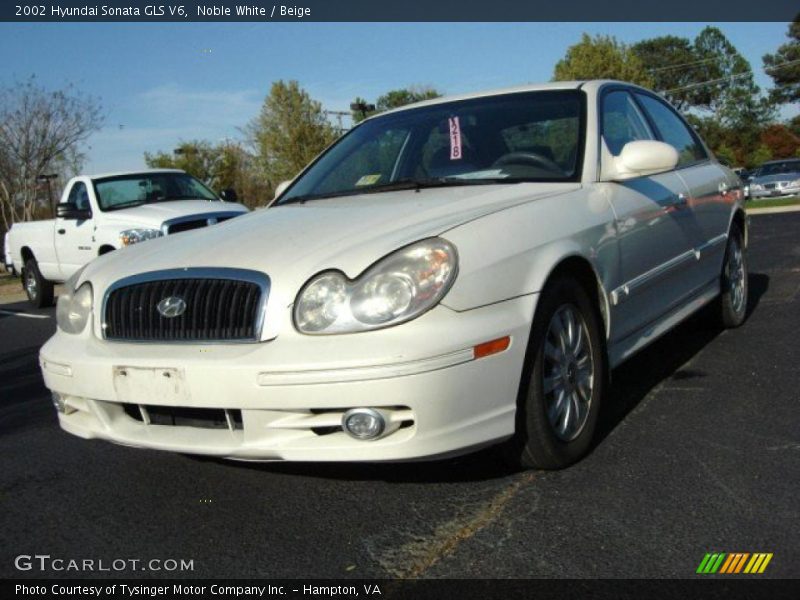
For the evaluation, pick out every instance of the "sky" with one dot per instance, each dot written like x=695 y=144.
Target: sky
x=161 y=84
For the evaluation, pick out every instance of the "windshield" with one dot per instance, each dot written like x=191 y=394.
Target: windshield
x=530 y=136
x=789 y=166
x=114 y=193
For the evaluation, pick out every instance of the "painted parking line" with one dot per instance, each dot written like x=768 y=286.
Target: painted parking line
x=22 y=314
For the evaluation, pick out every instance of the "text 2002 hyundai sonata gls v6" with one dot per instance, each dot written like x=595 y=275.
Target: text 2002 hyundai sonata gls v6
x=449 y=275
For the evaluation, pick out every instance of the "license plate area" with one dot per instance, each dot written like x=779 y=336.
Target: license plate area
x=141 y=385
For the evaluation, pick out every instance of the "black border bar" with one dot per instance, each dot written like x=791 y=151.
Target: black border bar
x=706 y=587
x=397 y=10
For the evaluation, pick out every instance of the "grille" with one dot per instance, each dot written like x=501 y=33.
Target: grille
x=769 y=186
x=196 y=224
x=177 y=416
x=216 y=309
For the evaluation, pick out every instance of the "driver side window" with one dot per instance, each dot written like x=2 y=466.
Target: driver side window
x=622 y=121
x=79 y=196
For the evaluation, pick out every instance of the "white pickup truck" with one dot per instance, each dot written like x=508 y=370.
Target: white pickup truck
x=101 y=213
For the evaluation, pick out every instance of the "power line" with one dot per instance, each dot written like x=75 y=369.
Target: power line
x=678 y=66
x=729 y=78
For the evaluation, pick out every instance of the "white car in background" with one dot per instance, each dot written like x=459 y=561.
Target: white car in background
x=101 y=213
x=453 y=274
x=775 y=179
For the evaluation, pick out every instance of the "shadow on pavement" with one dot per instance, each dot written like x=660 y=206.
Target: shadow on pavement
x=631 y=383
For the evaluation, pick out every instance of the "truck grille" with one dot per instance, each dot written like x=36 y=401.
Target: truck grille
x=209 y=308
x=179 y=226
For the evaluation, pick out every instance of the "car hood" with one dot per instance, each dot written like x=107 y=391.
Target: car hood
x=153 y=215
x=293 y=242
x=789 y=176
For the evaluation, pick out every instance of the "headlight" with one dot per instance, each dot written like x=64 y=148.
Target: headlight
x=398 y=288
x=74 y=306
x=134 y=236
x=794 y=183
x=756 y=186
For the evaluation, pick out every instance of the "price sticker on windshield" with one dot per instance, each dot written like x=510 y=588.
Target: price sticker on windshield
x=455 y=138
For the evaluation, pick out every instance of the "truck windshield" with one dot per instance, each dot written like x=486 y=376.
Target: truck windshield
x=507 y=138
x=114 y=193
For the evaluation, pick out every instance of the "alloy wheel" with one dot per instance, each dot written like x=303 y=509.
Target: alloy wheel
x=568 y=374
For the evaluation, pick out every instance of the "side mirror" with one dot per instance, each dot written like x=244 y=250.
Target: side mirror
x=282 y=188
x=73 y=213
x=229 y=195
x=643 y=157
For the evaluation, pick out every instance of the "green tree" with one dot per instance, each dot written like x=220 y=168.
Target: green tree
x=395 y=99
x=289 y=132
x=602 y=57
x=675 y=66
x=223 y=166
x=728 y=79
x=784 y=67
x=197 y=157
x=760 y=155
x=726 y=154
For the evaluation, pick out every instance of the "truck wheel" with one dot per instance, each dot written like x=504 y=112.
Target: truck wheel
x=38 y=289
x=562 y=382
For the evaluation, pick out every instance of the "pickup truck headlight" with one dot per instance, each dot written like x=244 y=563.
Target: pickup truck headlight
x=74 y=306
x=396 y=289
x=134 y=236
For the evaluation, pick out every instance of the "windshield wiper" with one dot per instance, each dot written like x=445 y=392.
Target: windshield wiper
x=126 y=204
x=402 y=184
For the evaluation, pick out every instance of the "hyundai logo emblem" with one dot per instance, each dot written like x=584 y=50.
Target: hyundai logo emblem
x=171 y=307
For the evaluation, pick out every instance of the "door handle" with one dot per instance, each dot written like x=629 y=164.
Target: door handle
x=680 y=201
x=62 y=231
x=723 y=188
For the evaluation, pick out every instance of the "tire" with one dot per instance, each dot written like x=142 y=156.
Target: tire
x=39 y=290
x=730 y=308
x=545 y=436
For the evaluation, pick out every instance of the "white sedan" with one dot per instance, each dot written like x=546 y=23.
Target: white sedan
x=453 y=274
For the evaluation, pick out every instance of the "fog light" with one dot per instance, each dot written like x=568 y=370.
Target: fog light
x=59 y=403
x=363 y=423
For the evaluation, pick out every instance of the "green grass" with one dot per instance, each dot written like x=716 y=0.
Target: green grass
x=769 y=203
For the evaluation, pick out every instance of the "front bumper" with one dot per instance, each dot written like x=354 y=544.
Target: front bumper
x=774 y=193
x=292 y=391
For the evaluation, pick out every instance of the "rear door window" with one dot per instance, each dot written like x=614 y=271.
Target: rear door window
x=673 y=130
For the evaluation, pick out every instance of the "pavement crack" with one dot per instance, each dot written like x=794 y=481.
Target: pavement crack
x=415 y=557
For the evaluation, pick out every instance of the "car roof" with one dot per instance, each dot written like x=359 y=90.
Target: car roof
x=588 y=85
x=780 y=160
x=140 y=172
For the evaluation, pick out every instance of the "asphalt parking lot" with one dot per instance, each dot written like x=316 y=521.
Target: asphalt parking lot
x=699 y=451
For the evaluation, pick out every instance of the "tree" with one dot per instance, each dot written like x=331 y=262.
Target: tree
x=223 y=166
x=761 y=155
x=602 y=57
x=395 y=99
x=197 y=157
x=41 y=132
x=784 y=67
x=675 y=66
x=780 y=140
x=728 y=79
x=290 y=131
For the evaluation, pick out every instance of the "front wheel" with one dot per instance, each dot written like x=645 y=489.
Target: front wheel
x=563 y=380
x=731 y=306
x=39 y=290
